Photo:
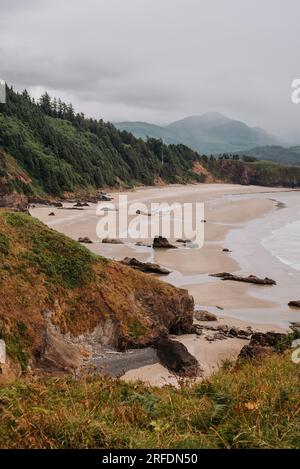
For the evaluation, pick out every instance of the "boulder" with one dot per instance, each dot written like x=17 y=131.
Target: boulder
x=272 y=339
x=249 y=279
x=250 y=352
x=85 y=240
x=264 y=343
x=295 y=326
x=294 y=304
x=159 y=242
x=147 y=267
x=176 y=357
x=205 y=316
x=226 y=250
x=51 y=214
x=112 y=241
x=81 y=204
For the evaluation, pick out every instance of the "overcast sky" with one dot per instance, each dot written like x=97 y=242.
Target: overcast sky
x=158 y=60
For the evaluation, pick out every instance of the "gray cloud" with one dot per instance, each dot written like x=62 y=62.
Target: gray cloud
x=158 y=60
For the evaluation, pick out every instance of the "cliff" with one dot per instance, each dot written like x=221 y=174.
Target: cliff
x=54 y=290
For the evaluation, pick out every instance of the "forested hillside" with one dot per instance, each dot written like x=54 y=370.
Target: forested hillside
x=62 y=151
x=48 y=149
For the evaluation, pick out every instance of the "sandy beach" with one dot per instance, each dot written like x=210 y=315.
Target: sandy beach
x=237 y=218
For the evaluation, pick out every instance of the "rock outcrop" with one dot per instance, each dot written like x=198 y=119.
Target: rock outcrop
x=249 y=279
x=294 y=304
x=14 y=201
x=176 y=357
x=112 y=241
x=85 y=240
x=147 y=267
x=159 y=242
x=89 y=298
x=262 y=344
x=205 y=316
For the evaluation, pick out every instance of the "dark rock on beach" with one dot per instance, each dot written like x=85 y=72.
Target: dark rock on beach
x=294 y=304
x=159 y=242
x=147 y=267
x=51 y=214
x=81 y=204
x=112 y=241
x=85 y=240
x=205 y=316
x=176 y=357
x=249 y=279
x=264 y=343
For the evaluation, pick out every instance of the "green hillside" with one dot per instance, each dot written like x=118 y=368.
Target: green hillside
x=62 y=151
x=277 y=154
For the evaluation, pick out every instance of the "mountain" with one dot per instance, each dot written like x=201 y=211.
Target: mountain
x=210 y=133
x=276 y=153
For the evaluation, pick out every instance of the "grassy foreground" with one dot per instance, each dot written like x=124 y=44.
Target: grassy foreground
x=250 y=405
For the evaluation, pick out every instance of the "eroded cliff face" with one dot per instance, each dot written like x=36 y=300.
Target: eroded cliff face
x=58 y=299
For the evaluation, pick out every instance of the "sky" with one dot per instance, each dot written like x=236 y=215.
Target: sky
x=158 y=60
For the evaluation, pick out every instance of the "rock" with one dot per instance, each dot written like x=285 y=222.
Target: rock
x=57 y=204
x=294 y=304
x=139 y=212
x=85 y=240
x=205 y=316
x=140 y=243
x=102 y=197
x=147 y=267
x=226 y=250
x=51 y=214
x=81 y=204
x=273 y=339
x=233 y=332
x=264 y=343
x=14 y=201
x=159 y=242
x=249 y=279
x=196 y=329
x=295 y=326
x=176 y=357
x=184 y=241
x=250 y=352
x=112 y=241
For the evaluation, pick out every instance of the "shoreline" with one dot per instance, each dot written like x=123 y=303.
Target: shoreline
x=230 y=210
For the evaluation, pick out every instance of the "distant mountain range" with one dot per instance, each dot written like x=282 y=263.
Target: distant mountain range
x=209 y=133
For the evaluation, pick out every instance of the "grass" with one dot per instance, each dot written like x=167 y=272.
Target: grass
x=252 y=405
x=60 y=259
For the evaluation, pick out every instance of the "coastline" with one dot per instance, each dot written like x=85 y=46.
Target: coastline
x=230 y=210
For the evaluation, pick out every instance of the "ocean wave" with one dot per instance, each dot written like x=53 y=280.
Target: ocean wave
x=284 y=244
